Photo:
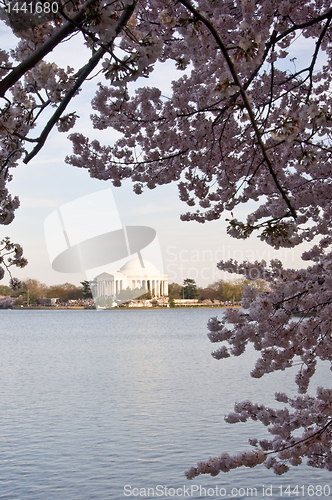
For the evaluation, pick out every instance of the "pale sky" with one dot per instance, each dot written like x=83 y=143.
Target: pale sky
x=189 y=249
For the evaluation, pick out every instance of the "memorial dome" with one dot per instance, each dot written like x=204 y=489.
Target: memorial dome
x=134 y=268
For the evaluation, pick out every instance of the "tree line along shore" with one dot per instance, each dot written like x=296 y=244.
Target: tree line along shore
x=34 y=294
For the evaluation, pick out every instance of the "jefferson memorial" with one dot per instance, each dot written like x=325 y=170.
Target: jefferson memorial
x=135 y=274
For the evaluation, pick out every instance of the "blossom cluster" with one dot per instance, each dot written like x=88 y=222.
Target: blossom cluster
x=284 y=449
x=288 y=324
x=11 y=254
x=226 y=462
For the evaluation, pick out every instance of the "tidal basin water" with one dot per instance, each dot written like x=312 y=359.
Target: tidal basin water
x=117 y=404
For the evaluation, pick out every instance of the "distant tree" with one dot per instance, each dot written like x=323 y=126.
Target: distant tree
x=86 y=290
x=19 y=301
x=223 y=291
x=175 y=291
x=207 y=293
x=190 y=289
x=234 y=290
x=65 y=292
x=93 y=287
x=5 y=290
x=31 y=290
x=171 y=301
x=6 y=302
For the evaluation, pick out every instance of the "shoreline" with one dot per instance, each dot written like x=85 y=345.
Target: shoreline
x=82 y=308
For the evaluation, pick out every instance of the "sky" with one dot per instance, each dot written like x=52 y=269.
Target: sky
x=185 y=249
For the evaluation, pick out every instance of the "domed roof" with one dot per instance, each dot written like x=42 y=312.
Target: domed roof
x=134 y=268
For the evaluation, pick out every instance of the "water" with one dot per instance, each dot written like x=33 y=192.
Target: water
x=117 y=404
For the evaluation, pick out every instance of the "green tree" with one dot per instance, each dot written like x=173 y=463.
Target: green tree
x=171 y=301
x=86 y=290
x=175 y=290
x=5 y=290
x=223 y=291
x=65 y=292
x=31 y=290
x=189 y=289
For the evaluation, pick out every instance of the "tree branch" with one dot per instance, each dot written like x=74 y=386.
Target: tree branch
x=231 y=67
x=314 y=57
x=304 y=25
x=44 y=49
x=83 y=74
x=320 y=431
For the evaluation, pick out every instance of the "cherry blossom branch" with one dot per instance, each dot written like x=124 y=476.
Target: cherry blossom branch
x=7 y=160
x=315 y=55
x=83 y=74
x=15 y=250
x=85 y=31
x=320 y=431
x=44 y=49
x=236 y=79
x=302 y=26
